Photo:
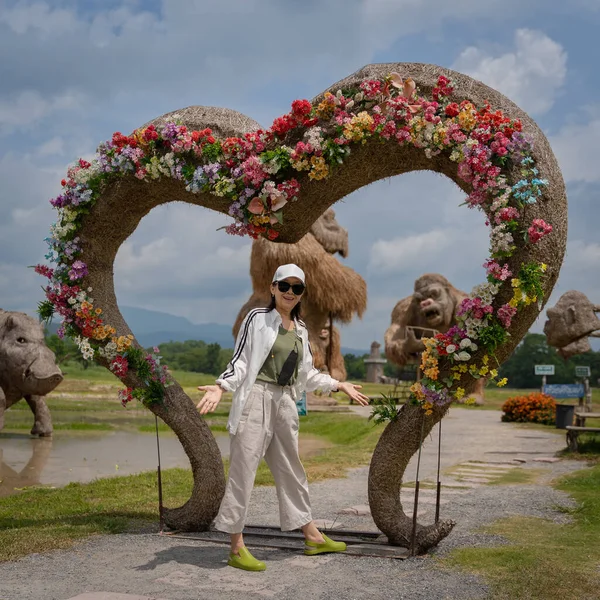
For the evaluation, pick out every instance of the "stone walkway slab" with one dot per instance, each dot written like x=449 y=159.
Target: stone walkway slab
x=110 y=596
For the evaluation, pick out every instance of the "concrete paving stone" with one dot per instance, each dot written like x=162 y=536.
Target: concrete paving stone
x=483 y=472
x=110 y=596
x=462 y=485
x=328 y=524
x=546 y=459
x=490 y=465
x=425 y=499
x=361 y=510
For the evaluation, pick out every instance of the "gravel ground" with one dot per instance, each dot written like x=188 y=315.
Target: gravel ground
x=173 y=568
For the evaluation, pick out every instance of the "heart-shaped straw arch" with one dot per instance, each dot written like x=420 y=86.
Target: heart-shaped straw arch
x=369 y=126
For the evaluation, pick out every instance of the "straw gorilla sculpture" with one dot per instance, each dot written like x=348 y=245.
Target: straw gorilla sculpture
x=431 y=308
x=332 y=288
x=168 y=171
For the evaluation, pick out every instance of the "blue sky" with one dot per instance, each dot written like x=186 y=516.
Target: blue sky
x=72 y=73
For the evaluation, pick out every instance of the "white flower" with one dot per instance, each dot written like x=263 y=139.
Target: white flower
x=465 y=343
x=473 y=347
x=451 y=348
x=464 y=356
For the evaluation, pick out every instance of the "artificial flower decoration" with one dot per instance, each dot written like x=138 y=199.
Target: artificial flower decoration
x=257 y=174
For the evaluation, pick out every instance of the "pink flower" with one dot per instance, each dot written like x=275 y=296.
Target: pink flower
x=508 y=213
x=538 y=230
x=256 y=207
x=278 y=200
x=496 y=271
x=505 y=314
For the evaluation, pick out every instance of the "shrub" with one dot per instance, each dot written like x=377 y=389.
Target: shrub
x=532 y=408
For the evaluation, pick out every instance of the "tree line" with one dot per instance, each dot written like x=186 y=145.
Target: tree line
x=519 y=368
x=199 y=357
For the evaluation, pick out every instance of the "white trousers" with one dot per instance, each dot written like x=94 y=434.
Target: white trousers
x=269 y=428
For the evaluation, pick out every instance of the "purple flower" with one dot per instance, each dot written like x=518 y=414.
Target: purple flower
x=78 y=270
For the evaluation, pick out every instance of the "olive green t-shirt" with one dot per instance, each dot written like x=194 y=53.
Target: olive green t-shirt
x=285 y=342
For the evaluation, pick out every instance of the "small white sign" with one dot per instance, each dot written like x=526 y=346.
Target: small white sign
x=544 y=369
x=582 y=371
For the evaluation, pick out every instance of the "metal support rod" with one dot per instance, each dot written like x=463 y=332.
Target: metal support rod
x=439 y=483
x=416 y=504
x=160 y=490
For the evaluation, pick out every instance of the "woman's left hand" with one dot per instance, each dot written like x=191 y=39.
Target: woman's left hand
x=351 y=390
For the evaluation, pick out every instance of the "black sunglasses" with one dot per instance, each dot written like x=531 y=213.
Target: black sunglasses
x=297 y=288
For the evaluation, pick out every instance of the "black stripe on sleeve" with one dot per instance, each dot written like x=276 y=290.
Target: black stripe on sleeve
x=243 y=337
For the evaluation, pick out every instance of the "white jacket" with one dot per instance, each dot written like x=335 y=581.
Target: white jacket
x=254 y=342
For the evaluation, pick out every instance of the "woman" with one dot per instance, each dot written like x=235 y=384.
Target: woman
x=271 y=365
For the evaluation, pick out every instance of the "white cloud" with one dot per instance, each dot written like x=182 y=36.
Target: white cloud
x=575 y=147
x=27 y=108
x=53 y=147
x=39 y=17
x=392 y=256
x=531 y=75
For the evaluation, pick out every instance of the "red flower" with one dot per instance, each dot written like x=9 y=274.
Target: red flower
x=272 y=234
x=301 y=108
x=281 y=125
x=452 y=109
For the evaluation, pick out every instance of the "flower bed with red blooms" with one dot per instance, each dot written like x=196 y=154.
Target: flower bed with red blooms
x=532 y=408
x=260 y=172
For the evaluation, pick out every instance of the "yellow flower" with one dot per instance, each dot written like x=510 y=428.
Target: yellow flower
x=326 y=107
x=360 y=125
x=98 y=311
x=493 y=373
x=502 y=382
x=301 y=165
x=513 y=302
x=543 y=267
x=462 y=368
x=459 y=393
x=427 y=406
x=470 y=401
x=485 y=359
x=319 y=169
x=466 y=117
x=456 y=376
x=483 y=370
x=473 y=369
x=417 y=390
x=515 y=283
x=432 y=372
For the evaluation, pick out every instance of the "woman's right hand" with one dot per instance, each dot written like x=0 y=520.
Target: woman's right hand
x=211 y=398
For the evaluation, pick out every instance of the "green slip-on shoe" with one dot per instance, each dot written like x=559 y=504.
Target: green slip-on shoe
x=245 y=560
x=313 y=548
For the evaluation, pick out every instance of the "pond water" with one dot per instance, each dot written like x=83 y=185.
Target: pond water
x=26 y=461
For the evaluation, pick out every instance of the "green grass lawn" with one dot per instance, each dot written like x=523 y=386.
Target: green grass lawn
x=544 y=561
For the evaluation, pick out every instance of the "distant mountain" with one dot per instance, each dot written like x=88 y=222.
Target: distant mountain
x=152 y=328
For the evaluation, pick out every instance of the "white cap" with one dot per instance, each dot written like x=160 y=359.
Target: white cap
x=291 y=270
